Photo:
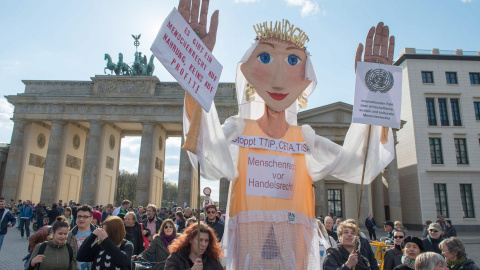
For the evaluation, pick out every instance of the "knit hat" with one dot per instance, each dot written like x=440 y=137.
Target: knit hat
x=435 y=226
x=413 y=239
x=98 y=216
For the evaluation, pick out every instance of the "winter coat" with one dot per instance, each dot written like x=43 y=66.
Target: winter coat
x=393 y=258
x=469 y=265
x=157 y=249
x=158 y=223
x=370 y=224
x=134 y=235
x=429 y=245
x=451 y=231
x=106 y=255
x=26 y=212
x=181 y=261
x=72 y=240
x=402 y=267
x=56 y=257
x=6 y=217
x=218 y=227
x=52 y=215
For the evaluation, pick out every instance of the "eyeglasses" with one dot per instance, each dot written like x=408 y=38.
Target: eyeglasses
x=83 y=217
x=168 y=227
x=433 y=230
x=398 y=237
x=211 y=212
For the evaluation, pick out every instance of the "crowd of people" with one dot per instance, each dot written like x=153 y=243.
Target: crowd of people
x=106 y=237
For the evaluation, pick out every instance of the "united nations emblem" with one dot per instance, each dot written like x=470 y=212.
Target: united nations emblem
x=379 y=80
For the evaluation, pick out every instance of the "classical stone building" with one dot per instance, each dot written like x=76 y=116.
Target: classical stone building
x=438 y=150
x=67 y=134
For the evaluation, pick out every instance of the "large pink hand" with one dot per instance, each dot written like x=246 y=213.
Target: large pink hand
x=189 y=10
x=378 y=49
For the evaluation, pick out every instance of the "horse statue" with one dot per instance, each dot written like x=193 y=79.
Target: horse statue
x=139 y=69
x=110 y=65
x=123 y=68
x=150 y=66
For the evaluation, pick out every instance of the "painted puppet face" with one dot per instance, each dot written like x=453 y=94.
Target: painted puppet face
x=276 y=69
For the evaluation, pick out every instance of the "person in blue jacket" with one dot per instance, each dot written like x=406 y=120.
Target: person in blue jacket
x=5 y=217
x=26 y=214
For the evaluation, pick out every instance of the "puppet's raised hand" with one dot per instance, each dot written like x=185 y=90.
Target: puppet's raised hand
x=378 y=49
x=189 y=10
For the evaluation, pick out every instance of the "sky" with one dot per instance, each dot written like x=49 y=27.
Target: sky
x=67 y=40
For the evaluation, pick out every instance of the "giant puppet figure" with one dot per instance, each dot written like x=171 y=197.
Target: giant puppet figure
x=270 y=161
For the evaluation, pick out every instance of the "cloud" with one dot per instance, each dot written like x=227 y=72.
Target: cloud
x=6 y=125
x=245 y=1
x=173 y=142
x=309 y=7
x=131 y=146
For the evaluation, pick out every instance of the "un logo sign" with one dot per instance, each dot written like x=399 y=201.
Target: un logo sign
x=379 y=80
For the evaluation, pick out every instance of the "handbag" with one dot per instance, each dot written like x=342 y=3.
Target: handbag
x=146 y=243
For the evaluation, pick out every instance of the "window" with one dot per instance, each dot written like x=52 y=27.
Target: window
x=441 y=199
x=476 y=105
x=475 y=78
x=427 y=77
x=467 y=200
x=451 y=77
x=442 y=107
x=335 y=202
x=432 y=119
x=461 y=150
x=455 y=112
x=436 y=150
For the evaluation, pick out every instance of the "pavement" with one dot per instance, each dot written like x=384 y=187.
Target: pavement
x=14 y=248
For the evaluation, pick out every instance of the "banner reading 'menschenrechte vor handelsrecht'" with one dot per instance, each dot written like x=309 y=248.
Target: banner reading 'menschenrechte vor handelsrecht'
x=189 y=61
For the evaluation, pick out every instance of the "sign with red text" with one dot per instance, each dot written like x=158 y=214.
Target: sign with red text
x=378 y=95
x=270 y=176
x=184 y=55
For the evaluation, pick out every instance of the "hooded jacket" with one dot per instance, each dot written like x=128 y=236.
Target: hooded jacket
x=56 y=257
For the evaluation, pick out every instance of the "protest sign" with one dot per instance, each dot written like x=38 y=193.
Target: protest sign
x=378 y=95
x=184 y=55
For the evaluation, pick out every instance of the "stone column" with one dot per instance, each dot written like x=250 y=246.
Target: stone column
x=92 y=164
x=394 y=198
x=145 y=164
x=320 y=202
x=378 y=202
x=51 y=177
x=364 y=204
x=224 y=186
x=12 y=170
x=184 y=178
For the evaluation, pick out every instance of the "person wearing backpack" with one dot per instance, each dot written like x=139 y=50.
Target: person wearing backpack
x=55 y=253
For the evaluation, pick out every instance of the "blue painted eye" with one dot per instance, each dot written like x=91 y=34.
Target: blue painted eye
x=264 y=58
x=292 y=59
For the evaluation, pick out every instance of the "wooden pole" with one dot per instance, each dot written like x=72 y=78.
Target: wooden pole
x=198 y=207
x=361 y=183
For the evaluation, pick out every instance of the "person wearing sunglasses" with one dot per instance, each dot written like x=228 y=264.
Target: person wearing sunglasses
x=412 y=247
x=158 y=248
x=393 y=257
x=431 y=242
x=214 y=222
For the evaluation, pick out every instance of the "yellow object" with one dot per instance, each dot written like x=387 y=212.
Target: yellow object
x=250 y=93
x=302 y=99
x=281 y=30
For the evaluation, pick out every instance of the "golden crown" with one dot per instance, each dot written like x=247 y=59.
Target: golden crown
x=281 y=30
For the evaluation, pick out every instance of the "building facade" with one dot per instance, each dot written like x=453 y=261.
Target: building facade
x=438 y=148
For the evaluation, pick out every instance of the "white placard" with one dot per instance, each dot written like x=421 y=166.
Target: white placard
x=272 y=144
x=270 y=176
x=378 y=95
x=184 y=55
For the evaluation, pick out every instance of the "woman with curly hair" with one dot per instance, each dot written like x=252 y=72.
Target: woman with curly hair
x=185 y=253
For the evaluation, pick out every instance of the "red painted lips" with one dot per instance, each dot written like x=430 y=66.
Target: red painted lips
x=277 y=96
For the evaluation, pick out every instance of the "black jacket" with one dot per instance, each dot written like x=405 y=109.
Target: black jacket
x=218 y=227
x=451 y=231
x=402 y=267
x=52 y=215
x=134 y=235
x=158 y=223
x=431 y=245
x=181 y=261
x=105 y=255
x=469 y=265
x=333 y=234
x=157 y=249
x=370 y=224
x=393 y=258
